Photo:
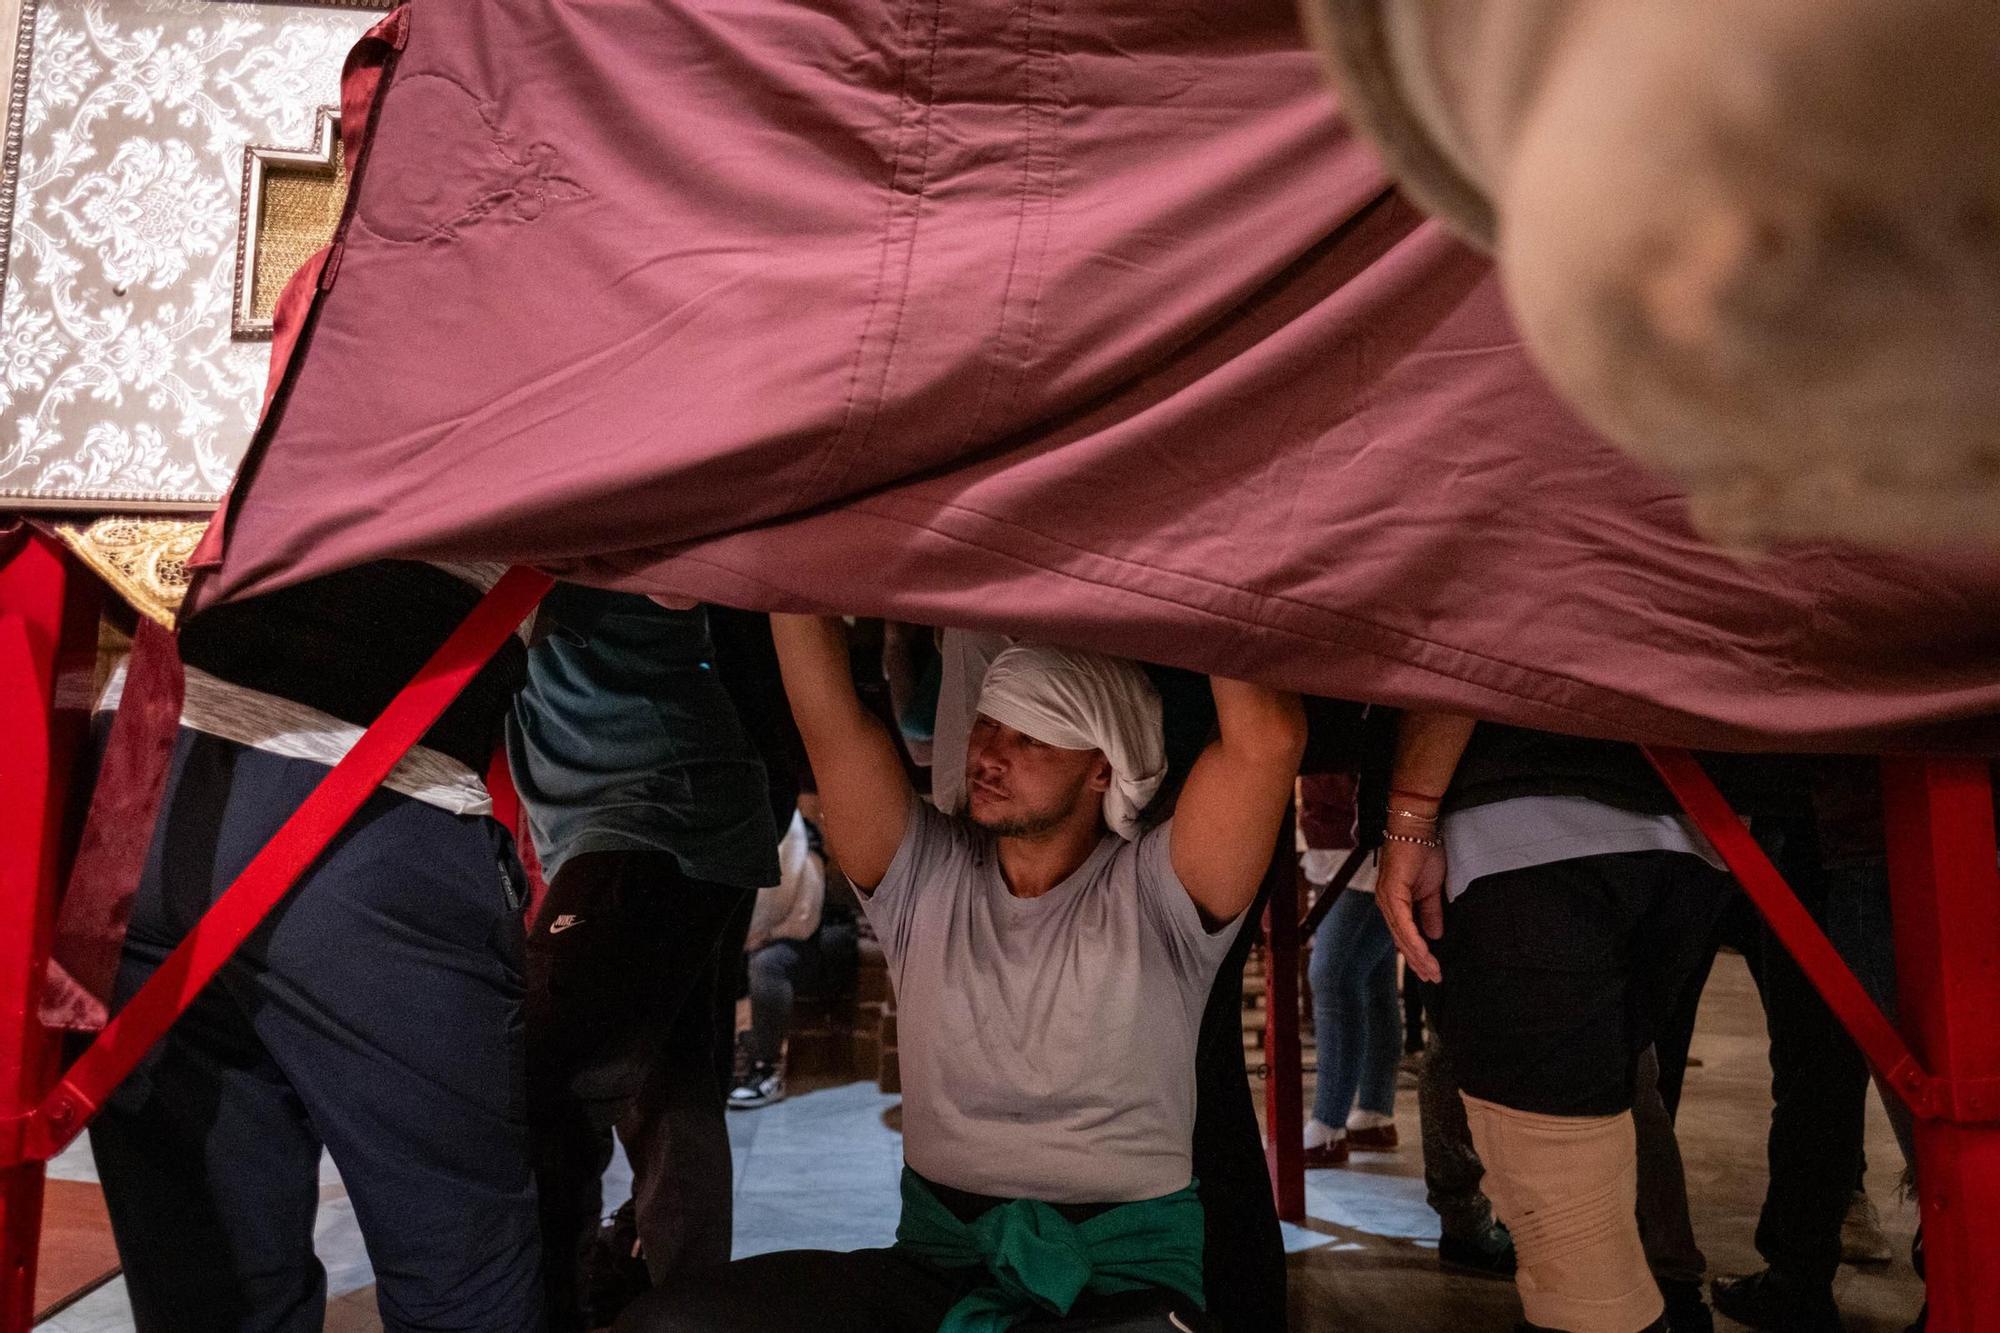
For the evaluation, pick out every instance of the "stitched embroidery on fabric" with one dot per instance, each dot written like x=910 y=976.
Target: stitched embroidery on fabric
x=511 y=180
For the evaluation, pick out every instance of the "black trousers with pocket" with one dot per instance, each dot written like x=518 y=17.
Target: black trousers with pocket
x=1819 y=1081
x=376 y=1013
x=1557 y=977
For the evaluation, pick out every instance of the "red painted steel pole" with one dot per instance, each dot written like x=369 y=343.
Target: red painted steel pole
x=1945 y=892
x=48 y=643
x=1284 y=1068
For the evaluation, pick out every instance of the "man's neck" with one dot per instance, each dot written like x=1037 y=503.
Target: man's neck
x=1033 y=866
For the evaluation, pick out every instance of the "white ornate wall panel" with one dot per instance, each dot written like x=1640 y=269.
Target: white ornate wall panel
x=124 y=383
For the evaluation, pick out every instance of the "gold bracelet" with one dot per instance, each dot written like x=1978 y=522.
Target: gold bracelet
x=1412 y=814
x=1432 y=843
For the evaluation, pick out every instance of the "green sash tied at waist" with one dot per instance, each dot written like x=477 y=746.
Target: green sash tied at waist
x=1041 y=1261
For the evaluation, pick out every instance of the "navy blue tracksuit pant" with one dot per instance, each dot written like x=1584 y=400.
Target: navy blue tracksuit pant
x=377 y=1013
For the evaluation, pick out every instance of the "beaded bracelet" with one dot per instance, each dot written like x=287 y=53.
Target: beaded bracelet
x=1432 y=843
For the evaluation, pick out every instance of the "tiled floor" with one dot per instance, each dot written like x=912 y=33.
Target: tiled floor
x=820 y=1169
x=817 y=1169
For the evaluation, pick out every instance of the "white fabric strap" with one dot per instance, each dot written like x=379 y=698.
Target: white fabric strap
x=1085 y=701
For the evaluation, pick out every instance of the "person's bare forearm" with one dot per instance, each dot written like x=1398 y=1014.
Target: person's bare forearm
x=812 y=656
x=864 y=795
x=1262 y=725
x=1428 y=748
x=1235 y=799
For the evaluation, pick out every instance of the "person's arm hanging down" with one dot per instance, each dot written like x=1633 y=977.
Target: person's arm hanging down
x=864 y=795
x=1409 y=890
x=1234 y=803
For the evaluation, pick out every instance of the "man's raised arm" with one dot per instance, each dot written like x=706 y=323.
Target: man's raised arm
x=1233 y=805
x=864 y=795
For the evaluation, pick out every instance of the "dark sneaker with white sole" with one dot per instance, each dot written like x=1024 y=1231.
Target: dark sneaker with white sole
x=759 y=1084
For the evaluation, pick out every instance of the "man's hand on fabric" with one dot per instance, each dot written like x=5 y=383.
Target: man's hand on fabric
x=1409 y=892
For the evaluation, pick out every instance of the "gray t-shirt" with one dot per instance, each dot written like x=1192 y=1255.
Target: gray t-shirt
x=1047 y=1044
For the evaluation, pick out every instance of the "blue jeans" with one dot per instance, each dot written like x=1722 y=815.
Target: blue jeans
x=1356 y=1018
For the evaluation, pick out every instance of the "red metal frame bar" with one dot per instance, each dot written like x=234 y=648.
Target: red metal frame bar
x=1284 y=1068
x=1944 y=874
x=1945 y=893
x=48 y=645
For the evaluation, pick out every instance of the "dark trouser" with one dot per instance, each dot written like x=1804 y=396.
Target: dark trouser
x=1243 y=1254
x=1665 y=1227
x=1452 y=1169
x=1557 y=977
x=821 y=964
x=377 y=1013
x=1413 y=1014
x=867 y=1291
x=1819 y=1084
x=1736 y=926
x=1858 y=922
x=622 y=975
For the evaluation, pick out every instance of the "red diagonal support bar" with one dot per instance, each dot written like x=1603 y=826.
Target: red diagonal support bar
x=1945 y=890
x=1795 y=928
x=271 y=874
x=48 y=641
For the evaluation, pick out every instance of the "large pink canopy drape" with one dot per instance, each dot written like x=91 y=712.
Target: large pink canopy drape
x=1090 y=321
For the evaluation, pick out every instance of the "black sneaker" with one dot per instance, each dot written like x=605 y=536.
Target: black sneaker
x=1687 y=1310
x=1777 y=1302
x=759 y=1085
x=1489 y=1254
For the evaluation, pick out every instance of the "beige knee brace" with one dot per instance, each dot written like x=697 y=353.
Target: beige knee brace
x=1566 y=1186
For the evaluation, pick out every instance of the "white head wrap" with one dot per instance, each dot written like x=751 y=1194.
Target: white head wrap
x=1084 y=701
